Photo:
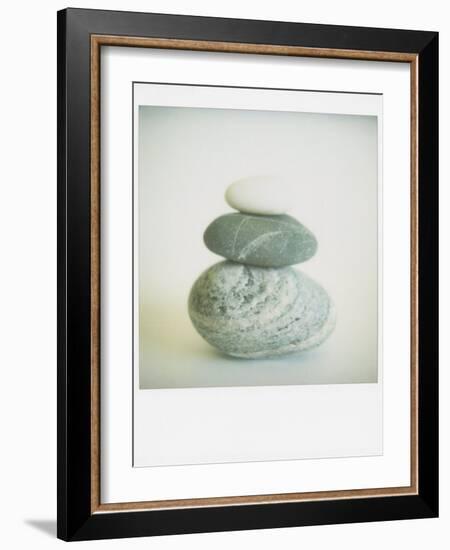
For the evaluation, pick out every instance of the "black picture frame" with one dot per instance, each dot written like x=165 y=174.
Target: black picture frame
x=76 y=520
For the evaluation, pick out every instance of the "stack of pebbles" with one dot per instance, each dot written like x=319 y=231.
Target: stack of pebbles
x=255 y=304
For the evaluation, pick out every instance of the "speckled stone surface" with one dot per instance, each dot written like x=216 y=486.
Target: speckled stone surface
x=254 y=312
x=265 y=241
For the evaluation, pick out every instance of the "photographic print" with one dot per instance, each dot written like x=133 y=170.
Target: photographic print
x=256 y=250
x=256 y=280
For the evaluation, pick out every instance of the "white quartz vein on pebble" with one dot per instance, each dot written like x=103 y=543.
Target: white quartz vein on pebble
x=237 y=233
x=256 y=243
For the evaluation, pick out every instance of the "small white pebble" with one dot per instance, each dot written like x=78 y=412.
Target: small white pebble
x=264 y=195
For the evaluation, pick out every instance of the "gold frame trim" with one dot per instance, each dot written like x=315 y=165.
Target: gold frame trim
x=97 y=41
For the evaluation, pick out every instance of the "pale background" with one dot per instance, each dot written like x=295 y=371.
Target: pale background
x=187 y=158
x=28 y=395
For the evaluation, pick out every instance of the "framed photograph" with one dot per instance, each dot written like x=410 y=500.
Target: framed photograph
x=247 y=257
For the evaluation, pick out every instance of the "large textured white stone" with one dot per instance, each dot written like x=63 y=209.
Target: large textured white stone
x=256 y=312
x=262 y=195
